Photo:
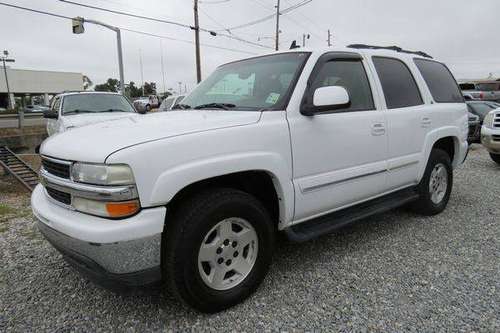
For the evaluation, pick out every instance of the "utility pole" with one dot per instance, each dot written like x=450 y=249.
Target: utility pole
x=142 y=70
x=78 y=28
x=277 y=25
x=197 y=41
x=4 y=60
x=329 y=40
x=162 y=67
x=304 y=37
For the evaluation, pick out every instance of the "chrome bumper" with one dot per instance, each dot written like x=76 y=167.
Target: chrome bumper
x=122 y=264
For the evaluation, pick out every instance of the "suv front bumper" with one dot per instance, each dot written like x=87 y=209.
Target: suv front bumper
x=490 y=138
x=114 y=253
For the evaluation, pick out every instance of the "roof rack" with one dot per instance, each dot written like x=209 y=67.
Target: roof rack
x=392 y=48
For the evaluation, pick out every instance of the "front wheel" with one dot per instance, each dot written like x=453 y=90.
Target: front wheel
x=495 y=157
x=217 y=249
x=436 y=184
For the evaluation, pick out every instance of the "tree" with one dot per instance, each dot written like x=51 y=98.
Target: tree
x=110 y=85
x=149 y=88
x=87 y=82
x=132 y=91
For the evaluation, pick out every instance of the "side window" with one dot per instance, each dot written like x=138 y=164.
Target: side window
x=441 y=83
x=351 y=75
x=398 y=84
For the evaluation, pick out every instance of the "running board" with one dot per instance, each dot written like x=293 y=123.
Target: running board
x=328 y=223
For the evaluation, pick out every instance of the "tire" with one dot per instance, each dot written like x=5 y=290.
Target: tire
x=192 y=225
x=427 y=204
x=148 y=108
x=495 y=157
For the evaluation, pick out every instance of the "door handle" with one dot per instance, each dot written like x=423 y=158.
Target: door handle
x=378 y=129
x=426 y=122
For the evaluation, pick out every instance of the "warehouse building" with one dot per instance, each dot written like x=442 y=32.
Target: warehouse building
x=35 y=87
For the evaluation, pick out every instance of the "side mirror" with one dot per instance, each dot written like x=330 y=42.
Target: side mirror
x=50 y=114
x=327 y=99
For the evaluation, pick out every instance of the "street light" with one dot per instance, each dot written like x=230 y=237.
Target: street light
x=78 y=28
x=5 y=58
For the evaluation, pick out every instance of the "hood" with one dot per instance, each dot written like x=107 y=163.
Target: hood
x=95 y=142
x=79 y=120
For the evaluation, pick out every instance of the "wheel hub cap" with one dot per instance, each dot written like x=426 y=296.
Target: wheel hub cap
x=438 y=183
x=228 y=253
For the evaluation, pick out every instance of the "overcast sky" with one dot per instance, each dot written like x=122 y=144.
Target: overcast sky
x=464 y=34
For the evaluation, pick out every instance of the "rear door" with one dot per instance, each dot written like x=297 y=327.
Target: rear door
x=408 y=120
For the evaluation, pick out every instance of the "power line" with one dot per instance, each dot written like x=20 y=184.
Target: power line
x=213 y=33
x=129 y=30
x=269 y=17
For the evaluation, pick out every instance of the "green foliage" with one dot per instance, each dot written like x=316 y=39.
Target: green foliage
x=111 y=85
x=149 y=88
x=132 y=91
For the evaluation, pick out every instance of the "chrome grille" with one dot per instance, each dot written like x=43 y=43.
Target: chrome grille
x=496 y=120
x=58 y=169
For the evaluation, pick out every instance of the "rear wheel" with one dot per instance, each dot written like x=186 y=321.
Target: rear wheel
x=495 y=157
x=217 y=249
x=436 y=184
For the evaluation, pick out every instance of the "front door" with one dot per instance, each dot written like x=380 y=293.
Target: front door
x=339 y=156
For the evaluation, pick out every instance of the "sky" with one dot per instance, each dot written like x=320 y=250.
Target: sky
x=463 y=34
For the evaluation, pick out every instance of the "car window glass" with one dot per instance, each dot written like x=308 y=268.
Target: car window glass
x=398 y=84
x=441 y=83
x=167 y=104
x=351 y=75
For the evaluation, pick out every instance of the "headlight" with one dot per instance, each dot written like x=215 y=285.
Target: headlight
x=488 y=120
x=102 y=174
x=106 y=209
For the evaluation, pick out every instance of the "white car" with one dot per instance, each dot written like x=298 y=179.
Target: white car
x=299 y=142
x=76 y=109
x=490 y=134
x=145 y=104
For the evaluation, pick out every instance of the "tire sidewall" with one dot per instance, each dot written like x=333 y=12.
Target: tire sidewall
x=437 y=157
x=206 y=298
x=495 y=158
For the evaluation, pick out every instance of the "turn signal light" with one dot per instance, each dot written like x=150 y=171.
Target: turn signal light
x=122 y=209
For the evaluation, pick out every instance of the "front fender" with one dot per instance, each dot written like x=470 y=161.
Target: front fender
x=173 y=180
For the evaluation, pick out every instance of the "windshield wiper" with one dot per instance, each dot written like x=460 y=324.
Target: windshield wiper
x=180 y=106
x=114 y=110
x=224 y=106
x=78 y=111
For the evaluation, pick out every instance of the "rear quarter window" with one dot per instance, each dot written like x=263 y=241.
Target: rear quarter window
x=441 y=83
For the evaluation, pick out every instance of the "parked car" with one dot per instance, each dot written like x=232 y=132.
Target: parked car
x=171 y=101
x=481 y=109
x=76 y=109
x=298 y=142
x=474 y=129
x=490 y=134
x=36 y=108
x=145 y=104
x=481 y=90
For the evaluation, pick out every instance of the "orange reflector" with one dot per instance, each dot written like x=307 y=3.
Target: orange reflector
x=121 y=209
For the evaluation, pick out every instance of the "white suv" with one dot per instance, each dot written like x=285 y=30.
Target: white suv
x=299 y=142
x=490 y=134
x=76 y=109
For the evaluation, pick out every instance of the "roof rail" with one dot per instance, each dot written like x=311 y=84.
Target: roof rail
x=392 y=48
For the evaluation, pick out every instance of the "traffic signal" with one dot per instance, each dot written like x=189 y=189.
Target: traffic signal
x=78 y=27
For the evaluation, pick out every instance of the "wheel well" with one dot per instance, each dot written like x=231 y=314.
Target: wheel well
x=257 y=183
x=446 y=144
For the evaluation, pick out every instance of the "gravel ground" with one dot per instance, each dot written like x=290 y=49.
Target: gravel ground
x=393 y=272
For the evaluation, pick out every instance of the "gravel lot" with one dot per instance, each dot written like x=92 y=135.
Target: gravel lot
x=393 y=272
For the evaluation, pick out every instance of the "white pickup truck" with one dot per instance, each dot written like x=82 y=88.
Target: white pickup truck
x=299 y=142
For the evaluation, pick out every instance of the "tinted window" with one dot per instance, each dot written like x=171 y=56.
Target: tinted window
x=400 y=88
x=351 y=75
x=441 y=83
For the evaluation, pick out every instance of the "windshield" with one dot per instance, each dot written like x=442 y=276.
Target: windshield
x=96 y=103
x=252 y=84
x=167 y=104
